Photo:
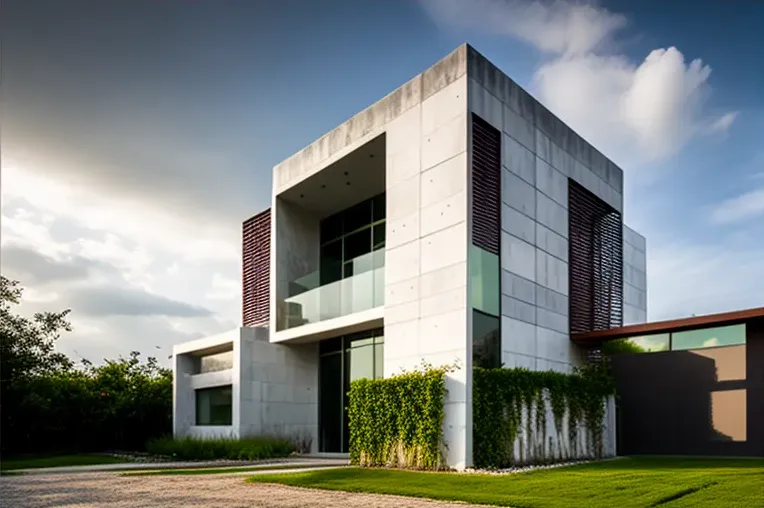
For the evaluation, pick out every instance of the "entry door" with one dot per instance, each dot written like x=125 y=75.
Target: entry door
x=330 y=403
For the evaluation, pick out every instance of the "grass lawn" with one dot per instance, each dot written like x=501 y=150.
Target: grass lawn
x=220 y=470
x=626 y=482
x=81 y=459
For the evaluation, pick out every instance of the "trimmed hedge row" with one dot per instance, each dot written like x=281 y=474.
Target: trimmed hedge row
x=189 y=448
x=398 y=421
x=500 y=397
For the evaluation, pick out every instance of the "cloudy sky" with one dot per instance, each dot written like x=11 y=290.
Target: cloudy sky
x=137 y=135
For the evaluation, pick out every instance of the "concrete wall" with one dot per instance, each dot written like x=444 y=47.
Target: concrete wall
x=275 y=388
x=539 y=154
x=634 y=277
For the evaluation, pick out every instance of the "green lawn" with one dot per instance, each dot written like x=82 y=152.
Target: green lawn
x=57 y=461
x=218 y=470
x=622 y=483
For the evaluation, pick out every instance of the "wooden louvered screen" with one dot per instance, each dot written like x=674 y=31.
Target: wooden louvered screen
x=256 y=260
x=486 y=185
x=595 y=254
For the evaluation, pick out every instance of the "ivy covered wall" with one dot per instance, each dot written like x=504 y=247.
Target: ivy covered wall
x=526 y=417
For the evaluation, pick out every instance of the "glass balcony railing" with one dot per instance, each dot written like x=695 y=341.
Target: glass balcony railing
x=310 y=302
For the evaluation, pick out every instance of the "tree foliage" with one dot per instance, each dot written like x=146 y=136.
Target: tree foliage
x=49 y=405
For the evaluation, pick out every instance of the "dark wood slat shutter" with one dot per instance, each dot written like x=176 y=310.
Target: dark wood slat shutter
x=486 y=185
x=256 y=260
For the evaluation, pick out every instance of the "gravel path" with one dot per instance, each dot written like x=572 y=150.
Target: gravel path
x=95 y=490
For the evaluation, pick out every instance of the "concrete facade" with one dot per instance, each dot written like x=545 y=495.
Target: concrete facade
x=424 y=129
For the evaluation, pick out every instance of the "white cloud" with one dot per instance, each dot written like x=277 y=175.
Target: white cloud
x=745 y=206
x=711 y=342
x=637 y=112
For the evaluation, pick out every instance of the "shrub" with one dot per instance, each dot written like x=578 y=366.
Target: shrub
x=398 y=421
x=190 y=448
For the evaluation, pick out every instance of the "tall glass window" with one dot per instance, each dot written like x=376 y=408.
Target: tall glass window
x=214 y=406
x=485 y=297
x=342 y=361
x=708 y=337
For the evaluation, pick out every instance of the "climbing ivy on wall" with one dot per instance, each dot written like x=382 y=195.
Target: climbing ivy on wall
x=501 y=397
x=398 y=421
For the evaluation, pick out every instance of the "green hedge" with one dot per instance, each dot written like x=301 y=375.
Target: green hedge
x=189 y=448
x=499 y=396
x=398 y=421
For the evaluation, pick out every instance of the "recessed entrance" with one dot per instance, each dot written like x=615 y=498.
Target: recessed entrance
x=342 y=360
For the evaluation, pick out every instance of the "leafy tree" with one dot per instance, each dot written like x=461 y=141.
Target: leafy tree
x=621 y=346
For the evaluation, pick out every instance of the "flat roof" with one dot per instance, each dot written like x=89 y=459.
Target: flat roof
x=724 y=318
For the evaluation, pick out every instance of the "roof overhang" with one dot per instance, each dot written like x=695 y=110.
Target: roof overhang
x=675 y=325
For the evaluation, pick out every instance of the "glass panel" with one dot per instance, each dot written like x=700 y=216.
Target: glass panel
x=216 y=362
x=357 y=244
x=379 y=204
x=486 y=341
x=484 y=277
x=379 y=359
x=379 y=236
x=357 y=216
x=331 y=262
x=708 y=337
x=331 y=228
x=330 y=346
x=213 y=406
x=642 y=344
x=330 y=403
x=361 y=362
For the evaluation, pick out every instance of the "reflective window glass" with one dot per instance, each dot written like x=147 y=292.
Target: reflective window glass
x=486 y=341
x=216 y=362
x=213 y=406
x=642 y=344
x=357 y=217
x=484 y=278
x=708 y=337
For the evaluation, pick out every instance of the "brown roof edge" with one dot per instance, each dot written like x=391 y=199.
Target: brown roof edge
x=724 y=318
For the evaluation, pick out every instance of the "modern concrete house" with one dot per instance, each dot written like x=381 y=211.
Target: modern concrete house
x=455 y=220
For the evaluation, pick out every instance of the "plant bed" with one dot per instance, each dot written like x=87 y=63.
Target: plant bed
x=253 y=448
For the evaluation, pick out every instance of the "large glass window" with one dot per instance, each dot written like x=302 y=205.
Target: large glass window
x=342 y=361
x=216 y=362
x=486 y=341
x=643 y=344
x=708 y=337
x=214 y=406
x=484 y=277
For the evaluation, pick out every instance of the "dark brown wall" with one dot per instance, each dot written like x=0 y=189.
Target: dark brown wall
x=699 y=402
x=256 y=259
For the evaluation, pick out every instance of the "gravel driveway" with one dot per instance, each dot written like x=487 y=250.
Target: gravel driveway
x=95 y=490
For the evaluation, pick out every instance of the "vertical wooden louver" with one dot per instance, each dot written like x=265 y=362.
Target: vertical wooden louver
x=595 y=253
x=256 y=260
x=486 y=185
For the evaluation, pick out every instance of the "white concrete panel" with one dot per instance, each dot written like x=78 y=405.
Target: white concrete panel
x=444 y=248
x=552 y=183
x=442 y=280
x=447 y=301
x=518 y=287
x=403 y=198
x=443 y=332
x=400 y=313
x=543 y=146
x=551 y=272
x=444 y=180
x=551 y=215
x=517 y=224
x=455 y=434
x=402 y=291
x=633 y=238
x=562 y=161
x=402 y=230
x=634 y=296
x=485 y=105
x=551 y=320
x=445 y=143
x=518 y=193
x=519 y=129
x=551 y=300
x=404 y=132
x=443 y=214
x=518 y=336
x=402 y=262
x=552 y=345
x=518 y=159
x=550 y=242
x=402 y=165
x=633 y=315
x=517 y=361
x=518 y=309
x=518 y=257
x=543 y=365
x=445 y=105
x=401 y=341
